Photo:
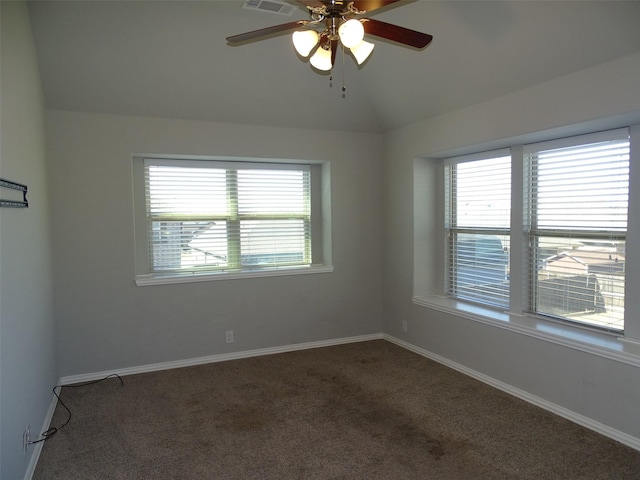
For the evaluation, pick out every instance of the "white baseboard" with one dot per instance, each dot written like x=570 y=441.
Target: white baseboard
x=86 y=377
x=35 y=456
x=587 y=422
x=577 y=418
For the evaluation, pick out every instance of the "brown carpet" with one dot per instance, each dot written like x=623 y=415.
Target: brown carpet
x=369 y=410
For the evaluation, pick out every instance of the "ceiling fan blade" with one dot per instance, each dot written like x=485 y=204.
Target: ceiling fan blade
x=371 y=5
x=396 y=33
x=243 y=37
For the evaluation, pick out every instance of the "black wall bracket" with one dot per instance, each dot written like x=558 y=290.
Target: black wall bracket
x=14 y=186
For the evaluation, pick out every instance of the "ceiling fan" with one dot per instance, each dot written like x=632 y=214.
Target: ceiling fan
x=338 y=22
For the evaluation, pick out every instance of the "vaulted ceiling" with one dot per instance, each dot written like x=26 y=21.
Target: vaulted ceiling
x=171 y=59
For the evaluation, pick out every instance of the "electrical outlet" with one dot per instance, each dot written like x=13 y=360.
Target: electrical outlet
x=404 y=326
x=229 y=336
x=26 y=438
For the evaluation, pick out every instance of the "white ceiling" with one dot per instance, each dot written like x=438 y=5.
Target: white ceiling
x=171 y=59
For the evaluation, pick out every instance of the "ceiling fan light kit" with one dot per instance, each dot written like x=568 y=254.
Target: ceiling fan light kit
x=351 y=34
x=339 y=27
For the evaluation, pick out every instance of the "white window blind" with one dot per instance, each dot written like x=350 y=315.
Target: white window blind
x=219 y=216
x=577 y=215
x=477 y=223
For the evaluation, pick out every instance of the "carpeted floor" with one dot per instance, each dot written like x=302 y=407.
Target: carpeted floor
x=369 y=410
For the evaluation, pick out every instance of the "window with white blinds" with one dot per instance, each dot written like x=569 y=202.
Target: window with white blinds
x=205 y=216
x=477 y=223
x=577 y=218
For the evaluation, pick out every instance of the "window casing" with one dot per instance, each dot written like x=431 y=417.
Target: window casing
x=577 y=202
x=477 y=227
x=566 y=232
x=215 y=218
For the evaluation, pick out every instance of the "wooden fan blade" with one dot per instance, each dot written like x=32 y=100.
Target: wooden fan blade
x=396 y=33
x=263 y=32
x=371 y=5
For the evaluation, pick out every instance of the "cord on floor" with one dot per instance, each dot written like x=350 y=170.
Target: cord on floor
x=47 y=434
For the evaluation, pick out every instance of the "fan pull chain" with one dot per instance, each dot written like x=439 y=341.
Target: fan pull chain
x=344 y=88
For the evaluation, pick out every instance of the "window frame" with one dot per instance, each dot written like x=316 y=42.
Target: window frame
x=453 y=230
x=535 y=232
x=320 y=237
x=429 y=242
x=522 y=285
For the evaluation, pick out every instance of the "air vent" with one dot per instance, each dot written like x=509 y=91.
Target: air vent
x=271 y=6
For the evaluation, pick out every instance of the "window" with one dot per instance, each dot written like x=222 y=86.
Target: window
x=562 y=254
x=214 y=216
x=577 y=217
x=477 y=223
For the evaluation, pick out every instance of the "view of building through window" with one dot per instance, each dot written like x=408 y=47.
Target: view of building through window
x=478 y=227
x=578 y=209
x=576 y=198
x=217 y=216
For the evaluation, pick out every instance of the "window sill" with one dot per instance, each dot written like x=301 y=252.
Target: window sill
x=584 y=339
x=156 y=279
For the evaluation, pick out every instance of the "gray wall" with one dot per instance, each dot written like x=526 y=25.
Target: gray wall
x=106 y=322
x=28 y=368
x=603 y=390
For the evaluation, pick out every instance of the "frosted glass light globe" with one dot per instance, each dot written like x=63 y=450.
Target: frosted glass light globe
x=351 y=33
x=321 y=59
x=304 y=41
x=362 y=51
